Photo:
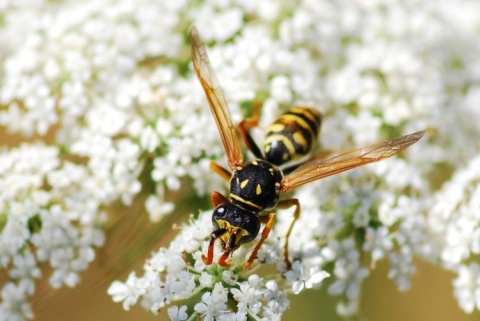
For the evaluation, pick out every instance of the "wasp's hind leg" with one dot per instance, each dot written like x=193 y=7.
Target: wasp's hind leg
x=246 y=124
x=284 y=204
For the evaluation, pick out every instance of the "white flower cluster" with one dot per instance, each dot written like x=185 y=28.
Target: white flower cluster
x=86 y=78
x=47 y=216
x=178 y=273
x=455 y=222
x=107 y=85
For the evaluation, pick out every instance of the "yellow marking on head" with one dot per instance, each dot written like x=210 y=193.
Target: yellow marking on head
x=221 y=223
x=254 y=162
x=231 y=230
x=239 y=168
x=244 y=183
x=258 y=190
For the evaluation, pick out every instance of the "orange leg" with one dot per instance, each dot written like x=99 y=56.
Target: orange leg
x=213 y=237
x=222 y=261
x=225 y=174
x=265 y=232
x=217 y=199
x=248 y=123
x=283 y=205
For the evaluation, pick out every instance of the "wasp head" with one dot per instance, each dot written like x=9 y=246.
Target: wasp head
x=234 y=226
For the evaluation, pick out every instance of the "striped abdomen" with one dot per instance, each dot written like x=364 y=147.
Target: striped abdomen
x=292 y=135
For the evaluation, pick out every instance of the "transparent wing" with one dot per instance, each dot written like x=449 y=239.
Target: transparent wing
x=320 y=168
x=216 y=100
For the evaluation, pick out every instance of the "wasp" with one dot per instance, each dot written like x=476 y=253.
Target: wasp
x=256 y=185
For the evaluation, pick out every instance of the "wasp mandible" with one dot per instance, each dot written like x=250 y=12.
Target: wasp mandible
x=256 y=185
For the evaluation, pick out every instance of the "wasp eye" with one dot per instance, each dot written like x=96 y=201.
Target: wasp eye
x=220 y=211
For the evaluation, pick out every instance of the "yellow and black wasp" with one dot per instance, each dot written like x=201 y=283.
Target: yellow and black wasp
x=256 y=185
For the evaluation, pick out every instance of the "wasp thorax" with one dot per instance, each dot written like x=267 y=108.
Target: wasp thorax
x=238 y=225
x=256 y=185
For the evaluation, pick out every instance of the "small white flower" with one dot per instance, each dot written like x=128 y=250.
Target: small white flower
x=177 y=314
x=279 y=89
x=378 y=242
x=362 y=215
x=206 y=280
x=349 y=274
x=229 y=277
x=25 y=267
x=182 y=285
x=128 y=292
x=149 y=139
x=401 y=269
x=213 y=303
x=248 y=296
x=302 y=276
x=365 y=128
x=167 y=260
x=277 y=301
x=13 y=306
x=157 y=208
